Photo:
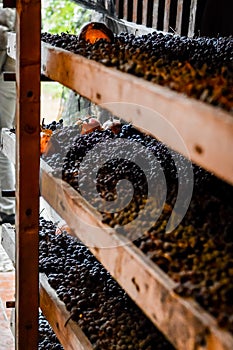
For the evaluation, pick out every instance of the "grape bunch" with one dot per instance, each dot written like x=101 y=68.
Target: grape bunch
x=95 y=301
x=200 y=67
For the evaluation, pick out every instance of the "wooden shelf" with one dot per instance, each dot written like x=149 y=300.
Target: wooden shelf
x=191 y=127
x=182 y=320
x=188 y=126
x=70 y=335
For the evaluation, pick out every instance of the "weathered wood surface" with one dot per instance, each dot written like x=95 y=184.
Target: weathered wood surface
x=166 y=15
x=155 y=14
x=192 y=17
x=28 y=58
x=179 y=16
x=144 y=12
x=189 y=126
x=185 y=324
x=70 y=335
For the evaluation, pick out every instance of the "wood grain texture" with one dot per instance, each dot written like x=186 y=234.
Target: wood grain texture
x=70 y=335
x=179 y=16
x=27 y=171
x=166 y=15
x=188 y=126
x=192 y=17
x=184 y=322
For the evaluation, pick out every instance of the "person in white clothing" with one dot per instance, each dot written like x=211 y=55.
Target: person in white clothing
x=7 y=115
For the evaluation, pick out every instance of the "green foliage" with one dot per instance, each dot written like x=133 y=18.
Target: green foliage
x=63 y=16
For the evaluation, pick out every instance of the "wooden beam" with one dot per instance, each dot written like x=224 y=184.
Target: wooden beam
x=155 y=109
x=70 y=335
x=192 y=18
x=182 y=320
x=27 y=171
x=155 y=14
x=166 y=15
x=144 y=12
x=179 y=16
x=135 y=11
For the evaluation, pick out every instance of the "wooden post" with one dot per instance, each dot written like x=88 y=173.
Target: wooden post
x=179 y=16
x=166 y=15
x=192 y=17
x=155 y=14
x=144 y=12
x=27 y=171
x=135 y=11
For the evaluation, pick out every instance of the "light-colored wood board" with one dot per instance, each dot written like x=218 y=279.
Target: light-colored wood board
x=8 y=144
x=192 y=17
x=166 y=15
x=70 y=335
x=125 y=10
x=135 y=12
x=187 y=125
x=144 y=12
x=28 y=58
x=8 y=241
x=179 y=16
x=155 y=14
x=184 y=323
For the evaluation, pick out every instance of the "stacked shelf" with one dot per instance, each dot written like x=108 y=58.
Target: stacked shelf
x=188 y=126
x=183 y=321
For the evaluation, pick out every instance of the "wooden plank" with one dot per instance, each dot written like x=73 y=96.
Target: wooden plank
x=183 y=321
x=155 y=13
x=152 y=108
x=135 y=11
x=27 y=171
x=117 y=7
x=8 y=241
x=192 y=17
x=125 y=10
x=8 y=144
x=179 y=16
x=70 y=335
x=166 y=15
x=144 y=12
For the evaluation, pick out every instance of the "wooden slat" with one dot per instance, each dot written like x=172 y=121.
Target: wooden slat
x=192 y=18
x=142 y=279
x=184 y=323
x=135 y=12
x=125 y=10
x=153 y=108
x=8 y=241
x=144 y=12
x=155 y=13
x=166 y=15
x=179 y=16
x=117 y=6
x=70 y=335
x=27 y=171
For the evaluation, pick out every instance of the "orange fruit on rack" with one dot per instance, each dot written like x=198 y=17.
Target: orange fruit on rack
x=94 y=31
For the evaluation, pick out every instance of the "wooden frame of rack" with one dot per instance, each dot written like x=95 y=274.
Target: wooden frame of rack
x=182 y=321
x=28 y=59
